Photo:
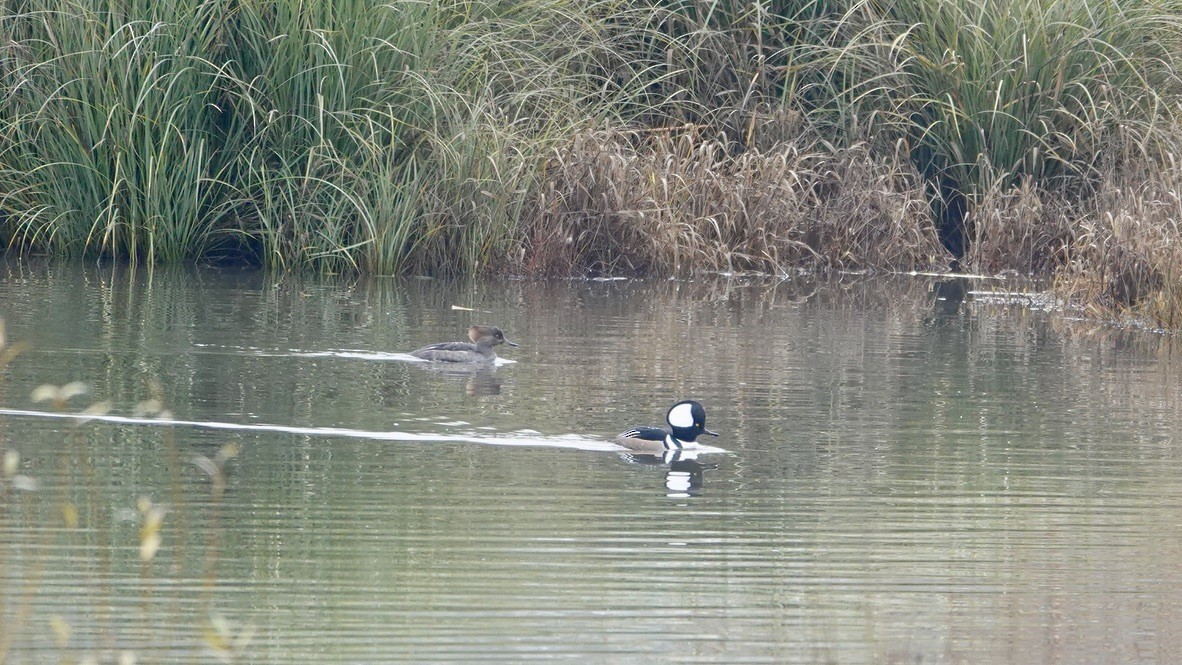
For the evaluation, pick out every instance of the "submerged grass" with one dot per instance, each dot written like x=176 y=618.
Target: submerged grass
x=551 y=136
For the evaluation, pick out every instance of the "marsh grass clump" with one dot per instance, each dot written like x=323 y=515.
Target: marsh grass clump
x=680 y=200
x=1020 y=228
x=988 y=93
x=339 y=136
x=1127 y=253
x=108 y=129
x=402 y=137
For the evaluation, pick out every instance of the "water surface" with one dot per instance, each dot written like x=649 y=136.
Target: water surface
x=908 y=478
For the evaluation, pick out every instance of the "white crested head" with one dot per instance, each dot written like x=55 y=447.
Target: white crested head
x=681 y=415
x=687 y=419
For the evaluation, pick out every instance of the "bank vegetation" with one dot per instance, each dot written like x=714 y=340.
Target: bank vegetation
x=556 y=137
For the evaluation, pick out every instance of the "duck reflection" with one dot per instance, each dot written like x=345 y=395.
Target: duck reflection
x=685 y=475
x=949 y=297
x=478 y=380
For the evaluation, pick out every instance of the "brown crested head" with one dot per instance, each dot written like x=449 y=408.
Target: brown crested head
x=490 y=335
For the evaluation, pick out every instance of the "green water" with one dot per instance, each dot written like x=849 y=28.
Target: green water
x=907 y=480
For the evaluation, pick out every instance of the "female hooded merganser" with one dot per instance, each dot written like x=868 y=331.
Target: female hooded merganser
x=687 y=421
x=479 y=350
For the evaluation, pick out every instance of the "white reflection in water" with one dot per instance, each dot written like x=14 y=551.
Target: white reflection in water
x=354 y=354
x=519 y=438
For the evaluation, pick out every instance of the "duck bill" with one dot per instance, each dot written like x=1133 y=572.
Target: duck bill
x=512 y=344
x=706 y=431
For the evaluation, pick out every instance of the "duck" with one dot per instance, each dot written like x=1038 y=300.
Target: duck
x=479 y=350
x=687 y=421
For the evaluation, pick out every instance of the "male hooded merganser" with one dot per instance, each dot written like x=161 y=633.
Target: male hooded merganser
x=687 y=421
x=479 y=350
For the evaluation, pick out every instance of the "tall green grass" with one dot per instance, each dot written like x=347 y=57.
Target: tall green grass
x=320 y=100
x=348 y=135
x=989 y=92
x=403 y=137
x=470 y=136
x=108 y=139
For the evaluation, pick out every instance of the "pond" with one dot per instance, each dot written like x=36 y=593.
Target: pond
x=908 y=476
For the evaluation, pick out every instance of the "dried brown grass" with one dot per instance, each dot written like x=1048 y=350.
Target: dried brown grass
x=1126 y=256
x=682 y=201
x=1024 y=229
x=1115 y=252
x=679 y=200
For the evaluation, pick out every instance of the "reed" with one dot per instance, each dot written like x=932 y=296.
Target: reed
x=1126 y=257
x=992 y=92
x=550 y=136
x=65 y=525
x=679 y=201
x=351 y=135
x=107 y=139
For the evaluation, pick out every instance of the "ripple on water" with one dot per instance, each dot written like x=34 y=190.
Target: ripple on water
x=905 y=481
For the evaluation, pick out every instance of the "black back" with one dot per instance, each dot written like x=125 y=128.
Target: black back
x=645 y=433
